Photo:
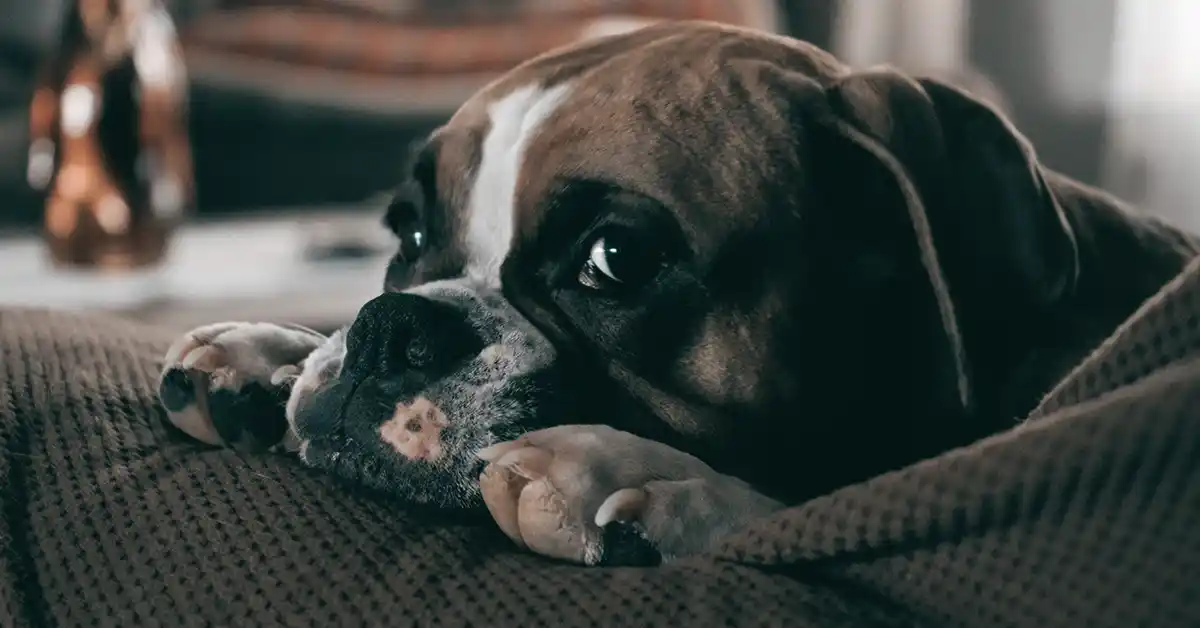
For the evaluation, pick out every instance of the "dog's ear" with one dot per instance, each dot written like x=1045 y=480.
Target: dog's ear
x=999 y=229
x=993 y=241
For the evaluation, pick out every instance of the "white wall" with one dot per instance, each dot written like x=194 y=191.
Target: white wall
x=1155 y=96
x=1108 y=90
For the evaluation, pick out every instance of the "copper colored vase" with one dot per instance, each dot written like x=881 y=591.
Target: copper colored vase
x=109 y=146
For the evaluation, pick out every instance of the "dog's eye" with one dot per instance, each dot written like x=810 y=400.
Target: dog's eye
x=412 y=244
x=403 y=218
x=618 y=257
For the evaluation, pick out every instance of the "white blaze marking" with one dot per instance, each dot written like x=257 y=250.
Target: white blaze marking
x=513 y=121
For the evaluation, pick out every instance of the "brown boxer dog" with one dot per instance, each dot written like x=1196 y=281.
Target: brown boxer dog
x=654 y=285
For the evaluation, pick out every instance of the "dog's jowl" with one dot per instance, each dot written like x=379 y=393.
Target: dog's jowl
x=655 y=285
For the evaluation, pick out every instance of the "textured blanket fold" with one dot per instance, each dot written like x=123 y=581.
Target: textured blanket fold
x=1085 y=514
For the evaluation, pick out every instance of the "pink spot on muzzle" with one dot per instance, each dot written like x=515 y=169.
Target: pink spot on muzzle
x=415 y=430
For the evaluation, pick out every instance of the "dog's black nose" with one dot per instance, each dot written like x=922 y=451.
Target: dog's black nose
x=397 y=332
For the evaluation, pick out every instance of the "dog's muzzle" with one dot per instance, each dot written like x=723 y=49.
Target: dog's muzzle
x=427 y=378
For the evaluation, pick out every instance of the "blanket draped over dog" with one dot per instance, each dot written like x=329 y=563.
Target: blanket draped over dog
x=1085 y=514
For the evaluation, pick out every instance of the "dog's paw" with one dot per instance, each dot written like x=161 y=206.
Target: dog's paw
x=227 y=384
x=595 y=495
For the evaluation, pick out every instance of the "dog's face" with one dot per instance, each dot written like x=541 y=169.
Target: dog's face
x=704 y=235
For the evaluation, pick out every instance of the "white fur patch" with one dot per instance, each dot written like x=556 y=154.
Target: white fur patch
x=322 y=365
x=514 y=119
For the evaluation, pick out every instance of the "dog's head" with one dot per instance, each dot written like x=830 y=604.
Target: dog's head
x=713 y=237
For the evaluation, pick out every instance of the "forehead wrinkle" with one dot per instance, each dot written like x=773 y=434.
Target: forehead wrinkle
x=655 y=147
x=644 y=124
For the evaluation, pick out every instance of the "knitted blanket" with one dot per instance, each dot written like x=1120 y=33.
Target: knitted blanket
x=1085 y=514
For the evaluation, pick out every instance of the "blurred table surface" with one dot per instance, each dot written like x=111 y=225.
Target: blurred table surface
x=276 y=266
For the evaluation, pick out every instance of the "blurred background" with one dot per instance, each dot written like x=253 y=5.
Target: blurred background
x=299 y=114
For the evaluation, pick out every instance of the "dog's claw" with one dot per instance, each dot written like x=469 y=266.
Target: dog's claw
x=623 y=506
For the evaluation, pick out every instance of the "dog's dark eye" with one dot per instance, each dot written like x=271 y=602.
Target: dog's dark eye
x=412 y=244
x=618 y=257
x=404 y=219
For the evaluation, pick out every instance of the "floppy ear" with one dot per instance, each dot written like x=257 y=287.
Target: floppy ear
x=1000 y=231
x=992 y=237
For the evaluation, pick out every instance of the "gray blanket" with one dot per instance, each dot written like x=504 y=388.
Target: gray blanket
x=1086 y=514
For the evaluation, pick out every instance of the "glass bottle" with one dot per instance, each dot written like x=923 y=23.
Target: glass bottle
x=109 y=148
